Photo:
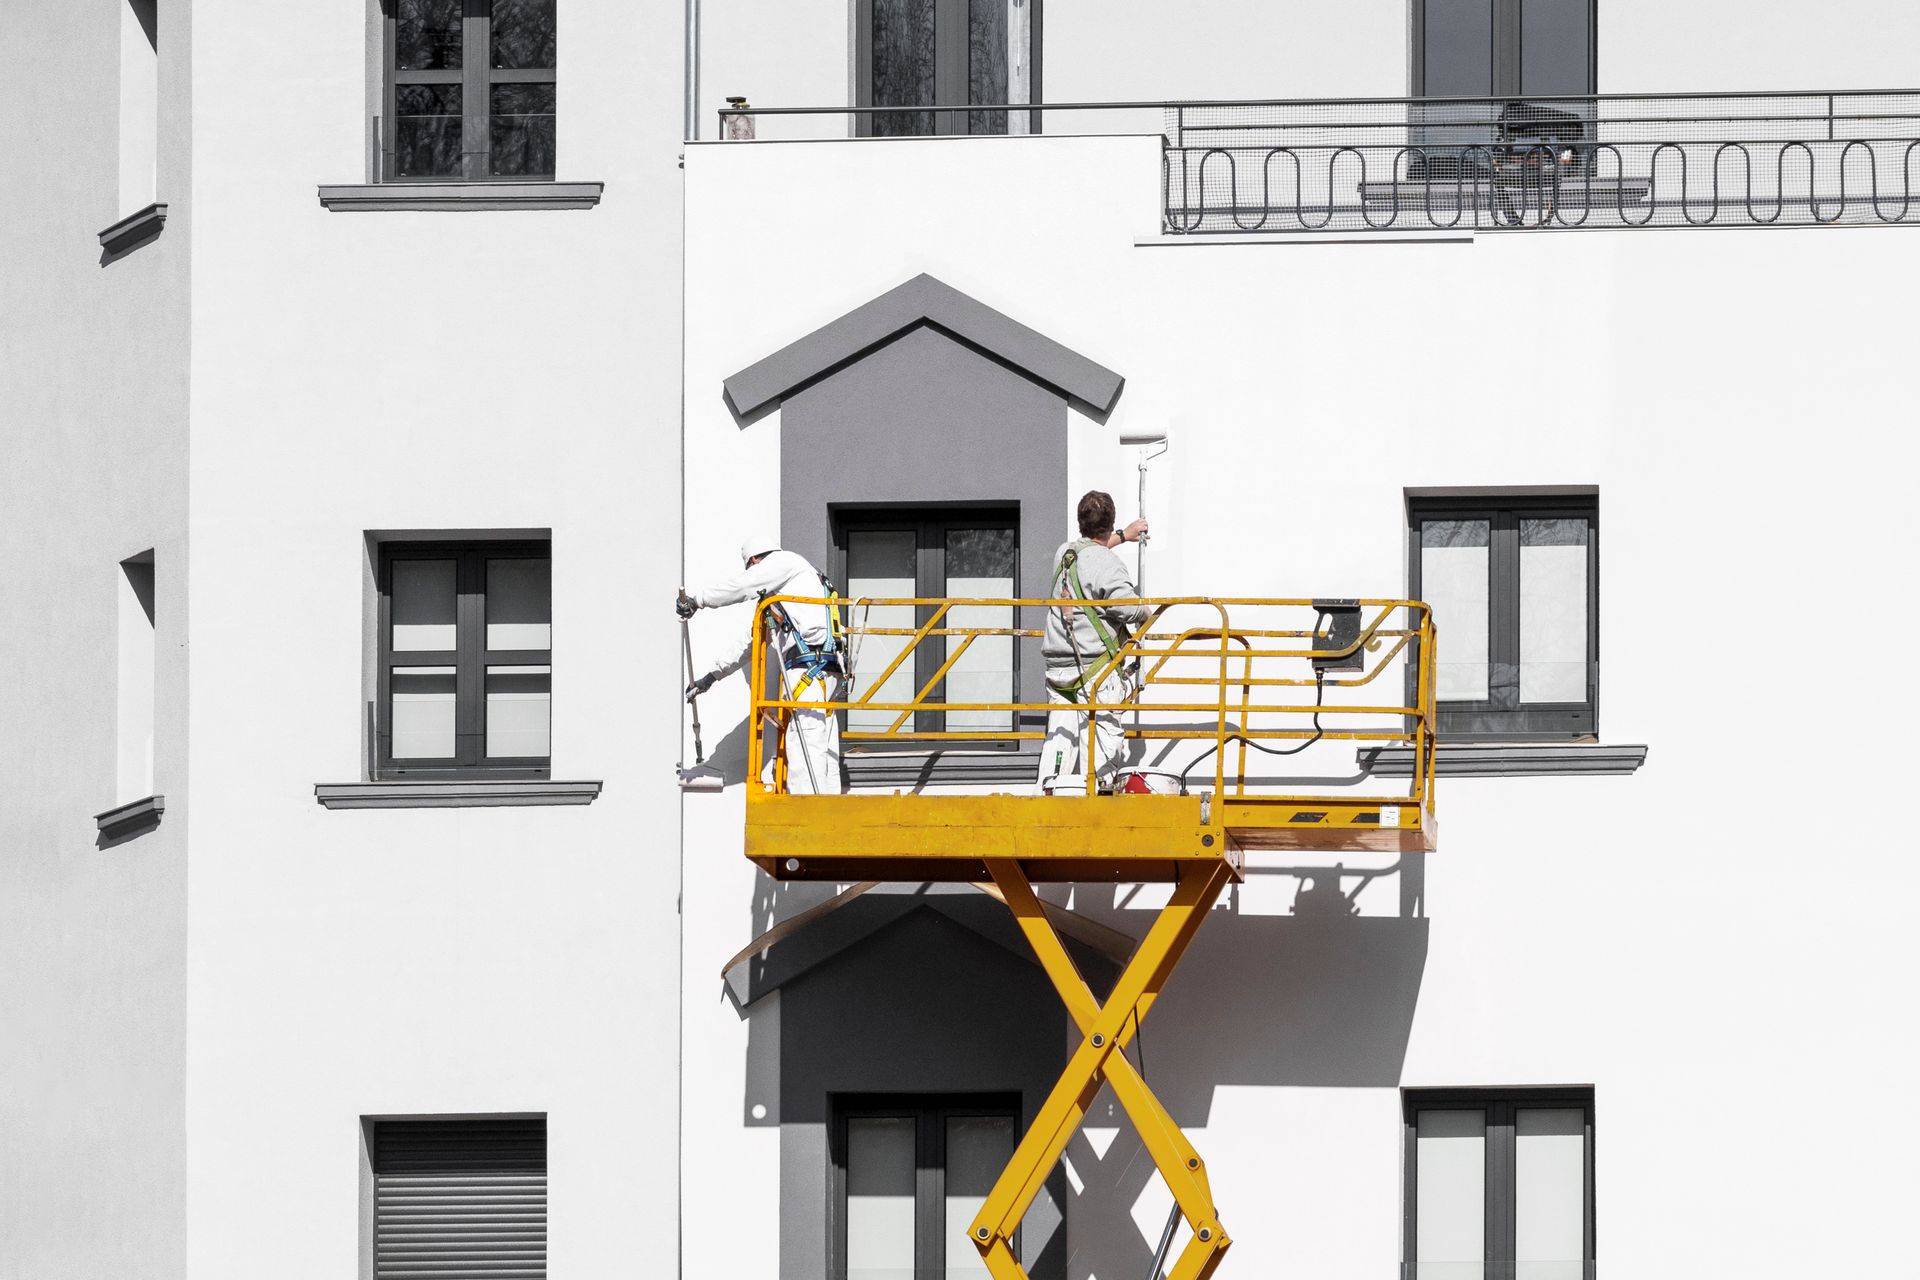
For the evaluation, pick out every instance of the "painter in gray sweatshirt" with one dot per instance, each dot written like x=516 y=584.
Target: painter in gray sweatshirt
x=1071 y=641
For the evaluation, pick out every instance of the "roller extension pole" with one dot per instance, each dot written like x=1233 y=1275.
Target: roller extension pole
x=686 y=645
x=1140 y=513
x=1145 y=440
x=700 y=777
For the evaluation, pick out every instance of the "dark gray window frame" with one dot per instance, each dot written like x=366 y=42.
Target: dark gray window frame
x=930 y=1113
x=476 y=75
x=470 y=658
x=1498 y=1106
x=930 y=523
x=1503 y=718
x=1506 y=59
x=950 y=71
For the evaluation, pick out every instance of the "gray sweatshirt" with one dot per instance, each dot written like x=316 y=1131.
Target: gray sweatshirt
x=1070 y=639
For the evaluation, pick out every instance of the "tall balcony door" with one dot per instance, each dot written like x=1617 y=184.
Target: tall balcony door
x=1503 y=48
x=924 y=53
x=1515 y=62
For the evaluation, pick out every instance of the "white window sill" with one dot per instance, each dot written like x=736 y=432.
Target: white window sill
x=130 y=817
x=134 y=229
x=1508 y=760
x=458 y=197
x=460 y=794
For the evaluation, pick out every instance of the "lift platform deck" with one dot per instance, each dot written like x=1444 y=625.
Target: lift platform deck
x=1060 y=838
x=1203 y=680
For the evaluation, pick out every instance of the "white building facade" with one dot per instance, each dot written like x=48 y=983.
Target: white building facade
x=354 y=465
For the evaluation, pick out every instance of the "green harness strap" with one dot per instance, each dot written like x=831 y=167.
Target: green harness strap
x=1069 y=573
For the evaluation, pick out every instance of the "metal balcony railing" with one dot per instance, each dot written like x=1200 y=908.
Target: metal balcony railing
x=1823 y=158
x=1545 y=162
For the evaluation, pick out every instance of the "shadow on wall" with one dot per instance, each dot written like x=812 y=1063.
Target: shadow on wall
x=931 y=989
x=728 y=757
x=1321 y=997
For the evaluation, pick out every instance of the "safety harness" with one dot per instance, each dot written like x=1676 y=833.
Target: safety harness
x=814 y=663
x=1067 y=586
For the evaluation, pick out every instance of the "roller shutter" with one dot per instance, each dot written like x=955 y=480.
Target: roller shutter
x=460 y=1199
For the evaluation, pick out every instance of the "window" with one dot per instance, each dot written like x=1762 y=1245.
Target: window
x=1500 y=51
x=469 y=90
x=139 y=102
x=926 y=52
x=134 y=689
x=918 y=554
x=1499 y=1183
x=466 y=660
x=908 y=1176
x=1502 y=48
x=458 y=1199
x=1514 y=584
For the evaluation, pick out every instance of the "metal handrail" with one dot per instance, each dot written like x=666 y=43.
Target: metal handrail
x=1772 y=158
x=1203 y=668
x=1439 y=99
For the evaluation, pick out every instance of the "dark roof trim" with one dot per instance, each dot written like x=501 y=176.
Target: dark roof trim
x=922 y=300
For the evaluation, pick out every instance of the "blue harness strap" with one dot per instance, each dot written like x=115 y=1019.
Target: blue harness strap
x=814 y=663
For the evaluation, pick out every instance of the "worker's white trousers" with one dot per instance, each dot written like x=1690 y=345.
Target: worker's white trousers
x=812 y=747
x=1067 y=726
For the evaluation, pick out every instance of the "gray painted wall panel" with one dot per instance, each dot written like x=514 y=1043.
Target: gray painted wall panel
x=923 y=299
x=927 y=419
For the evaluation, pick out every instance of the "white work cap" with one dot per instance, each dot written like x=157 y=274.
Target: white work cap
x=758 y=545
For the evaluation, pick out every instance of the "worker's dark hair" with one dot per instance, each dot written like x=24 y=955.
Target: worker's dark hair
x=1095 y=514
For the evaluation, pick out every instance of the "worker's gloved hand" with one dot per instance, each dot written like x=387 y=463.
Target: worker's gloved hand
x=1135 y=532
x=699 y=686
x=685 y=605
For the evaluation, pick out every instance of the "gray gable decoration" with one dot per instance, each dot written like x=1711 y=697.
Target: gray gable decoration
x=922 y=300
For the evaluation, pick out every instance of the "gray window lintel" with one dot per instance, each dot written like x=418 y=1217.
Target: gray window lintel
x=134 y=228
x=458 y=197
x=1508 y=760
x=456 y=794
x=144 y=811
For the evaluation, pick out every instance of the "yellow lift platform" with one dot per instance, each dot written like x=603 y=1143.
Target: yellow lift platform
x=1204 y=679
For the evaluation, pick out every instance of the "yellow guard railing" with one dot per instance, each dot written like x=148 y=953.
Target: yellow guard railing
x=1209 y=684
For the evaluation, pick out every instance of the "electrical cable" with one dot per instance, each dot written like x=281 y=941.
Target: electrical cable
x=1319 y=694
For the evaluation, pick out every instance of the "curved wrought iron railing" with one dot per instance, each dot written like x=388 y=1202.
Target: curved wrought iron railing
x=1445 y=164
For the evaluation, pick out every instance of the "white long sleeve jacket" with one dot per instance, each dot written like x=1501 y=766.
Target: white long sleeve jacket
x=779 y=573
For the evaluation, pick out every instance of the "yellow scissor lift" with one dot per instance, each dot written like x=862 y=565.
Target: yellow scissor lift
x=1203 y=677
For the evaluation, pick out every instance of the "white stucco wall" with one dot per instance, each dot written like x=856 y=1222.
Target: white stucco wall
x=93 y=422
x=1708 y=943
x=428 y=371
